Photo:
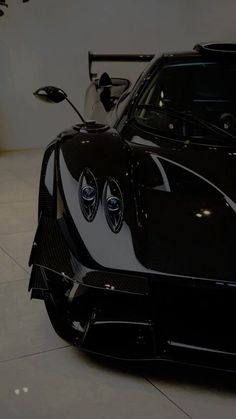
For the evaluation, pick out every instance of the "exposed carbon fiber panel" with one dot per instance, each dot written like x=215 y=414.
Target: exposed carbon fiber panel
x=46 y=203
x=117 y=282
x=49 y=249
x=36 y=279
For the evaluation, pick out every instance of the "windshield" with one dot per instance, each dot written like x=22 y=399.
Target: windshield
x=205 y=91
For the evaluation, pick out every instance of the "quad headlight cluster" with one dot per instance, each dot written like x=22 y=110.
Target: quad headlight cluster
x=112 y=200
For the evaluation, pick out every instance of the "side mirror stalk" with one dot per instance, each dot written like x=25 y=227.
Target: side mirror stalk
x=76 y=110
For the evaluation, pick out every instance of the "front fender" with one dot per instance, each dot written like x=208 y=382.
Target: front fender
x=108 y=157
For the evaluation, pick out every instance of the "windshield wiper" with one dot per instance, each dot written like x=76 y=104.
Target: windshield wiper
x=189 y=117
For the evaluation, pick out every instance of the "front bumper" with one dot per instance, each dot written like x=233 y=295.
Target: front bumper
x=181 y=324
x=132 y=315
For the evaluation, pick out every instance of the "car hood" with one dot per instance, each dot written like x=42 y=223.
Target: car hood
x=179 y=205
x=187 y=210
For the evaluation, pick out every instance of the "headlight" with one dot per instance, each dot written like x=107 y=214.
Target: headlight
x=113 y=205
x=88 y=194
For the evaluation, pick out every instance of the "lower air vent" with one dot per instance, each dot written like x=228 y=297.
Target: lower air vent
x=88 y=194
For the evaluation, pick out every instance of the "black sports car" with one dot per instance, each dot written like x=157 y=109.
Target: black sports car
x=134 y=254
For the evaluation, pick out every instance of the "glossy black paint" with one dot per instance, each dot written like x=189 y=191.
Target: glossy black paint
x=141 y=264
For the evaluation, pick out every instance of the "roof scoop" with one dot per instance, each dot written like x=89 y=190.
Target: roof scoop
x=216 y=49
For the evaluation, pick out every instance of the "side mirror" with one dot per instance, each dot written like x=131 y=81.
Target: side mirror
x=105 y=81
x=111 y=89
x=50 y=94
x=105 y=85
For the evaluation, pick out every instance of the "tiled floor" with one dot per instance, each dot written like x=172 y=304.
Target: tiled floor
x=41 y=376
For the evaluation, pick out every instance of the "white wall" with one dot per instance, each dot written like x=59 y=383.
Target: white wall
x=46 y=42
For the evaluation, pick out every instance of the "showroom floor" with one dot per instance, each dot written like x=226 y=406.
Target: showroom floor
x=41 y=376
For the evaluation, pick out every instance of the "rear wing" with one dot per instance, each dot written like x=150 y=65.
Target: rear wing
x=115 y=58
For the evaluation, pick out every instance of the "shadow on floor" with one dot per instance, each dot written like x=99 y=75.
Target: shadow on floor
x=198 y=378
